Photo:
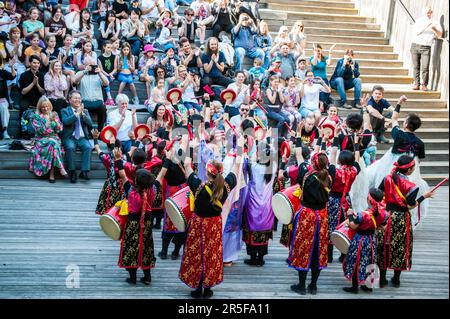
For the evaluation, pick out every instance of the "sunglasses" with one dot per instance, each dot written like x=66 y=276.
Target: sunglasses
x=189 y=14
x=244 y=110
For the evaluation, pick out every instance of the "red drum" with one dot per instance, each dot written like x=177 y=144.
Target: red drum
x=112 y=223
x=342 y=237
x=286 y=203
x=178 y=208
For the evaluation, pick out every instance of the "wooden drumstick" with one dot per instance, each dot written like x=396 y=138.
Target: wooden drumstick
x=440 y=184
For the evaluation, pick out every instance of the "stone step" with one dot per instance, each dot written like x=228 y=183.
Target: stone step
x=295 y=15
x=434 y=167
x=328 y=30
x=310 y=8
x=434 y=179
x=276 y=23
x=430 y=144
x=395 y=91
x=431 y=155
x=367 y=55
x=343 y=44
x=344 y=39
x=328 y=4
x=429 y=133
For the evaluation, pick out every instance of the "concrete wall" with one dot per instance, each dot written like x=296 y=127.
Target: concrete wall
x=401 y=37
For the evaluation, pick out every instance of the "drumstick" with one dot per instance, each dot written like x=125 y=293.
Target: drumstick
x=191 y=136
x=261 y=107
x=440 y=184
x=170 y=145
x=208 y=90
x=289 y=128
x=232 y=127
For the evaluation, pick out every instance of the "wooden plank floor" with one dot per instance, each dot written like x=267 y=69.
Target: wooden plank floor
x=45 y=228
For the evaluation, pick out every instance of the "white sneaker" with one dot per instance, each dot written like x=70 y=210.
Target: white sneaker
x=136 y=100
x=6 y=136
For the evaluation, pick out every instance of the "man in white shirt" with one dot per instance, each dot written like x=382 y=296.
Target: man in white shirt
x=151 y=9
x=425 y=30
x=123 y=120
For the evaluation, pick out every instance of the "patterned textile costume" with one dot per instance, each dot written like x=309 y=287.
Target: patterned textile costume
x=136 y=249
x=339 y=201
x=397 y=244
x=155 y=166
x=405 y=143
x=258 y=213
x=202 y=262
x=362 y=249
x=310 y=225
x=47 y=151
x=112 y=190
x=286 y=230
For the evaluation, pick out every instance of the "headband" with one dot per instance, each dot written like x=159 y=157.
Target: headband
x=211 y=169
x=315 y=161
x=405 y=166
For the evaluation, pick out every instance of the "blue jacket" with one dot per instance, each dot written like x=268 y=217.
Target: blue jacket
x=345 y=72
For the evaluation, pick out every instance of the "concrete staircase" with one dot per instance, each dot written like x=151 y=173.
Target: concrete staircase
x=328 y=22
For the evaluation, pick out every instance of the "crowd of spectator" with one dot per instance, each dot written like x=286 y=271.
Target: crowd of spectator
x=86 y=50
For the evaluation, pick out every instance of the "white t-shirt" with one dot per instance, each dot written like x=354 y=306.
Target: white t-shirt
x=311 y=98
x=114 y=117
x=241 y=94
x=422 y=33
x=6 y=27
x=147 y=4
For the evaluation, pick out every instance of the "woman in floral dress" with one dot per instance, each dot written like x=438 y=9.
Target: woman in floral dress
x=47 y=152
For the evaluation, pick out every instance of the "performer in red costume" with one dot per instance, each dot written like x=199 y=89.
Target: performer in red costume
x=396 y=244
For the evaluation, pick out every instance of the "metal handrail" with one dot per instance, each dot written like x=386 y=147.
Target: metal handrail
x=407 y=11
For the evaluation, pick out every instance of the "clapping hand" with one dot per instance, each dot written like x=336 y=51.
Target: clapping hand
x=117 y=153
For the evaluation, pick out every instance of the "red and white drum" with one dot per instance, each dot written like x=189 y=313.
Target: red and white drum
x=286 y=203
x=178 y=208
x=112 y=223
x=342 y=237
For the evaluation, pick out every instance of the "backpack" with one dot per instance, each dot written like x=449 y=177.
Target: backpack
x=26 y=123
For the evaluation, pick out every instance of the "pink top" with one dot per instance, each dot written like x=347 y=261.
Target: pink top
x=55 y=86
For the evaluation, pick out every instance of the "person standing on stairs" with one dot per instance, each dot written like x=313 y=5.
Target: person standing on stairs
x=425 y=31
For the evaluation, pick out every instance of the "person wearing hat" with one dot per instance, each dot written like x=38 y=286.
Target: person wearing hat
x=170 y=61
x=165 y=36
x=147 y=63
x=123 y=120
x=244 y=43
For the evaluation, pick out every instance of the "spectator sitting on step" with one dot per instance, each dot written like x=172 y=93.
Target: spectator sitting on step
x=56 y=26
x=203 y=15
x=214 y=64
x=31 y=85
x=67 y=55
x=147 y=64
x=157 y=120
x=33 y=25
x=244 y=112
x=300 y=72
x=189 y=28
x=50 y=53
x=189 y=84
x=298 y=37
x=189 y=56
x=151 y=9
x=7 y=19
x=158 y=95
x=242 y=93
x=244 y=41
x=309 y=132
x=165 y=36
x=273 y=100
x=257 y=72
x=77 y=125
x=123 y=120
x=310 y=92
x=170 y=60
x=5 y=76
x=288 y=58
x=47 y=153
x=380 y=110
x=221 y=10
x=90 y=83
x=264 y=41
x=109 y=28
x=281 y=38
x=346 y=77
x=87 y=51
x=14 y=50
x=291 y=102
x=34 y=49
x=56 y=84
x=125 y=67
x=121 y=9
x=84 y=30
x=133 y=31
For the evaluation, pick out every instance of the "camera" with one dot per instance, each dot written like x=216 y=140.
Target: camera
x=92 y=71
x=350 y=60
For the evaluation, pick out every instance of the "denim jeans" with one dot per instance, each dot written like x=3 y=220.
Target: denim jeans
x=70 y=146
x=280 y=119
x=420 y=55
x=241 y=53
x=341 y=85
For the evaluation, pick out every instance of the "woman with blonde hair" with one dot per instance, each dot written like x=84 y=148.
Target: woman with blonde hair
x=56 y=86
x=298 y=37
x=264 y=41
x=47 y=153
